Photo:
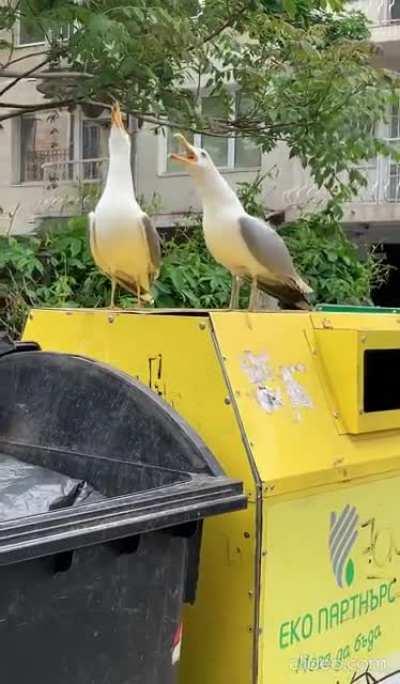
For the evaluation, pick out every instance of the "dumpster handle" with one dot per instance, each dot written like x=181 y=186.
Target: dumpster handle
x=62 y=562
x=126 y=545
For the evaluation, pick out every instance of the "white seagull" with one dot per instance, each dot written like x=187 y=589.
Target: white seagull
x=248 y=247
x=123 y=241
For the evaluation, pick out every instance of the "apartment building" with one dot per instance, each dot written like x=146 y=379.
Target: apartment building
x=50 y=162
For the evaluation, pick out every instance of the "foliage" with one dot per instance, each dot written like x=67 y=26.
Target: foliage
x=303 y=72
x=56 y=269
x=53 y=269
x=189 y=275
x=331 y=263
x=322 y=252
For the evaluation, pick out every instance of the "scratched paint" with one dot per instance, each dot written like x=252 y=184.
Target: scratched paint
x=256 y=367
x=264 y=378
x=295 y=391
x=260 y=374
x=269 y=399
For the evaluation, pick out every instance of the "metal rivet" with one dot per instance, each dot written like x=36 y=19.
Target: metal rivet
x=227 y=401
x=111 y=319
x=247 y=535
x=202 y=326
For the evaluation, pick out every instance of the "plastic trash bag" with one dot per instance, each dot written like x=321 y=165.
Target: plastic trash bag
x=27 y=489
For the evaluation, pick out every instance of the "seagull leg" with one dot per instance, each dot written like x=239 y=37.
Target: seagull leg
x=113 y=288
x=139 y=301
x=235 y=291
x=253 y=295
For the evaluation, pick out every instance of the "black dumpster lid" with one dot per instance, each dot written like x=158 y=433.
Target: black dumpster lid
x=87 y=420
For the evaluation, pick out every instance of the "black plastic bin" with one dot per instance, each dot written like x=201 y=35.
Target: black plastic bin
x=93 y=593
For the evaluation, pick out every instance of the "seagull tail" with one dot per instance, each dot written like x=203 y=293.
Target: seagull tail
x=288 y=293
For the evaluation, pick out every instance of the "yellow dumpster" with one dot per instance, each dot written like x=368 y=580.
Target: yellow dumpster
x=304 y=408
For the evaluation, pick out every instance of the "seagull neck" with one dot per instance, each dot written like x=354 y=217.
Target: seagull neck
x=215 y=191
x=119 y=176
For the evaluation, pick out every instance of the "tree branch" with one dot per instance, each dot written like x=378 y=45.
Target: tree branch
x=225 y=25
x=36 y=108
x=26 y=74
x=48 y=75
x=28 y=56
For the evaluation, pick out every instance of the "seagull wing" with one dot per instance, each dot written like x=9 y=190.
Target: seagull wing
x=153 y=242
x=279 y=277
x=93 y=242
x=268 y=248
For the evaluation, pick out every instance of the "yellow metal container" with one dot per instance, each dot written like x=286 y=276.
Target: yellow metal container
x=304 y=409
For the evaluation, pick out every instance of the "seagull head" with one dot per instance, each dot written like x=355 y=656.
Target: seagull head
x=119 y=137
x=196 y=160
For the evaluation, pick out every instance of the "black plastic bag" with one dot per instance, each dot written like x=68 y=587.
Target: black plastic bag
x=27 y=489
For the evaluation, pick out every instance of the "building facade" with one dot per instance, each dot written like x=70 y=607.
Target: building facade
x=51 y=162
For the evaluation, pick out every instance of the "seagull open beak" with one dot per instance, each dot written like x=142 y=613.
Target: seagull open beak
x=116 y=116
x=190 y=156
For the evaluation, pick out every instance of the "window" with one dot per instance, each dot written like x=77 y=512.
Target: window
x=392 y=193
x=394 y=10
x=62 y=147
x=94 y=148
x=234 y=152
x=30 y=31
x=45 y=139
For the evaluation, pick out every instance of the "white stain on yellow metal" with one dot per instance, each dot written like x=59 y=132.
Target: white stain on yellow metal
x=259 y=372
x=296 y=392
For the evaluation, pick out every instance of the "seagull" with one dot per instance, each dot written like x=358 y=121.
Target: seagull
x=124 y=244
x=247 y=246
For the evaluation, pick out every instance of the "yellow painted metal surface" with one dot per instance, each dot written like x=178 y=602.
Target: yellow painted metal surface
x=176 y=356
x=269 y=394
x=335 y=617
x=283 y=399
x=344 y=375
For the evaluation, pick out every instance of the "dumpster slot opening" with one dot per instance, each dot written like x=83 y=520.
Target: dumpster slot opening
x=381 y=380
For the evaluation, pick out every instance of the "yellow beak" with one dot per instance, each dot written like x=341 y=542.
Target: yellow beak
x=190 y=157
x=116 y=116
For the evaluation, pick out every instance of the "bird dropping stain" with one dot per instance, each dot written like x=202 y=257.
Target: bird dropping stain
x=296 y=393
x=260 y=374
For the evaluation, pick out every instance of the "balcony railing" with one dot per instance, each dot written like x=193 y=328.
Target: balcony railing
x=70 y=187
x=383 y=183
x=75 y=170
x=382 y=12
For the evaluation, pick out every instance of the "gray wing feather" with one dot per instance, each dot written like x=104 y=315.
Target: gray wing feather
x=266 y=246
x=93 y=241
x=153 y=242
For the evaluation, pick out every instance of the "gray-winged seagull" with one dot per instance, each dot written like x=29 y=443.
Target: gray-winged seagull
x=248 y=247
x=123 y=241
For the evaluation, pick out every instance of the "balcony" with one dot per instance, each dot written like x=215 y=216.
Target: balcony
x=385 y=31
x=379 y=201
x=69 y=187
x=387 y=11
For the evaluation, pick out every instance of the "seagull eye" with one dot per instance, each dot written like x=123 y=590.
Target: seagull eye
x=203 y=154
